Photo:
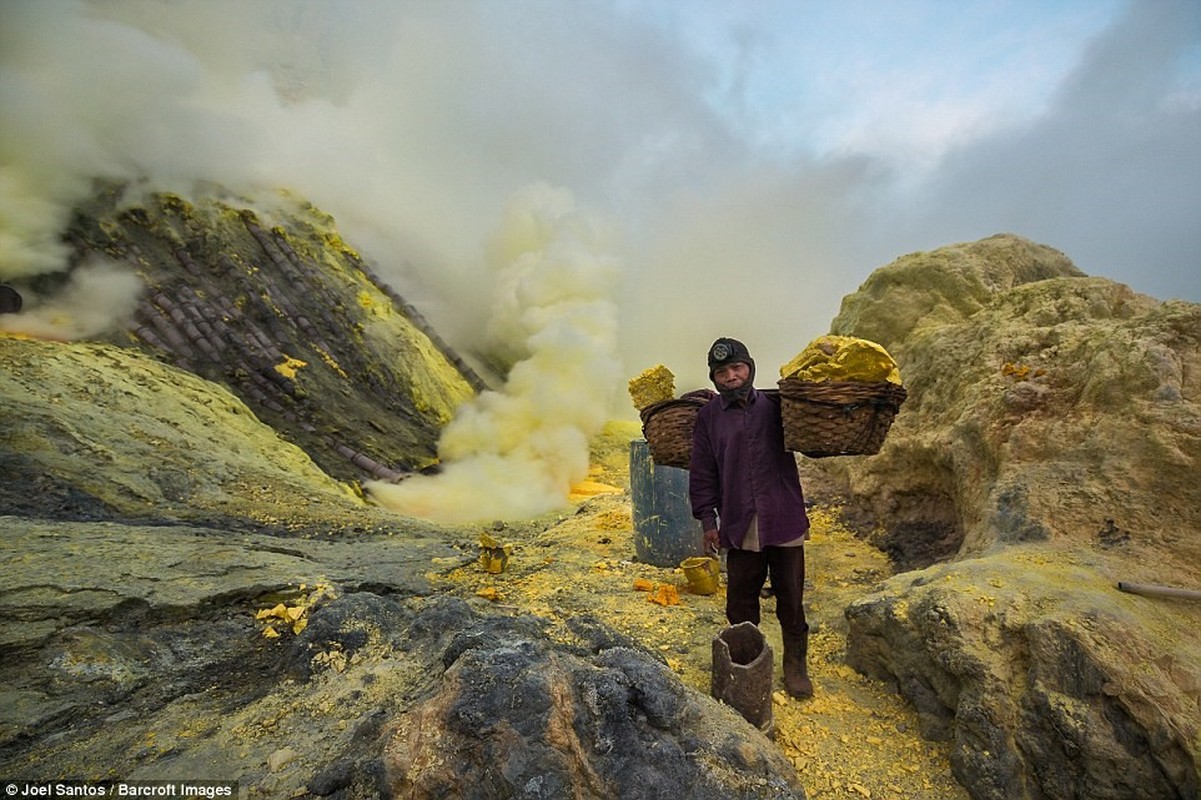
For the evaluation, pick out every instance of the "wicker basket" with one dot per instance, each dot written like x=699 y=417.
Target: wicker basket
x=837 y=418
x=668 y=426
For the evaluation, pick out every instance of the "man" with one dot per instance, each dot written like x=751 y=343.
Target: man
x=747 y=495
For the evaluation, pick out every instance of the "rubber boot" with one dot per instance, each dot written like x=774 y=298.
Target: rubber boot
x=742 y=674
x=796 y=667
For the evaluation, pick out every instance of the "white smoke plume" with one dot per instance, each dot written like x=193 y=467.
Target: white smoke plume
x=99 y=297
x=515 y=453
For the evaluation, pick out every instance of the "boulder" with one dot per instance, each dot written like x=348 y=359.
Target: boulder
x=1050 y=447
x=515 y=717
x=377 y=696
x=1058 y=405
x=1049 y=682
x=82 y=442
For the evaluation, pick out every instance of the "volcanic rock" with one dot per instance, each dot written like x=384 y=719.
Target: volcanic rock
x=1049 y=448
x=1044 y=403
x=272 y=303
x=515 y=717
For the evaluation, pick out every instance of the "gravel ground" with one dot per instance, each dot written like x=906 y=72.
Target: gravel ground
x=854 y=739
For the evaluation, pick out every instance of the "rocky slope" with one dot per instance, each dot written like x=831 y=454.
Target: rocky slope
x=190 y=592
x=193 y=586
x=1050 y=447
x=273 y=304
x=136 y=650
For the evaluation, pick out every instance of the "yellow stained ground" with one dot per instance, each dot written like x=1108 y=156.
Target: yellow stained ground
x=853 y=739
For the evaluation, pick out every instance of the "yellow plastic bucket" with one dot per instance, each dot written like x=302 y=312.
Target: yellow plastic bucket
x=701 y=572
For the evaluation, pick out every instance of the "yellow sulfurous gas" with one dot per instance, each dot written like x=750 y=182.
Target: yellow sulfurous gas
x=654 y=385
x=842 y=358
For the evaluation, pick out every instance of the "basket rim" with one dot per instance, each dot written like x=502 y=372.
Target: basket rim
x=842 y=392
x=695 y=399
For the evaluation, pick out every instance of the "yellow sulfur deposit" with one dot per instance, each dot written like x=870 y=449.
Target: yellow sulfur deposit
x=654 y=385
x=289 y=367
x=494 y=556
x=665 y=594
x=842 y=358
x=295 y=615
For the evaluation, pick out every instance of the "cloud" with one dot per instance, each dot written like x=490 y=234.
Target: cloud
x=1110 y=173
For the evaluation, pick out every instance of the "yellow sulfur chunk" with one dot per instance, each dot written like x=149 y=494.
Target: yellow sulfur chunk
x=652 y=386
x=664 y=594
x=842 y=358
x=289 y=366
x=494 y=556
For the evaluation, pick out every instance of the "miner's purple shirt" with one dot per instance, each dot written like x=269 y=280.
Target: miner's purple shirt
x=739 y=469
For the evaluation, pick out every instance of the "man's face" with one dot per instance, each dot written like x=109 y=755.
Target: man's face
x=732 y=376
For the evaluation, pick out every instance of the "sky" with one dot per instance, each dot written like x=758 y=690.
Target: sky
x=745 y=164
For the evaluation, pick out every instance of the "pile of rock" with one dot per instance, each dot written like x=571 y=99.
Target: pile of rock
x=1050 y=447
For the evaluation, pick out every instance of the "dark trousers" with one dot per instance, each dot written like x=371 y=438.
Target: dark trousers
x=746 y=573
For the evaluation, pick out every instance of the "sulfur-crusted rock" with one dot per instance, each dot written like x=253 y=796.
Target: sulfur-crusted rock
x=271 y=302
x=1050 y=447
x=1045 y=677
x=1059 y=404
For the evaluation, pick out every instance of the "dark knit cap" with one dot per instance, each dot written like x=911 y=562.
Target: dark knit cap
x=729 y=351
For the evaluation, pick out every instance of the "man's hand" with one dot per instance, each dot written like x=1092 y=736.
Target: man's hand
x=712 y=543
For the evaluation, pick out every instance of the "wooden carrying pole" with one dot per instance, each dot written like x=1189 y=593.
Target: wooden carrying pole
x=1151 y=590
